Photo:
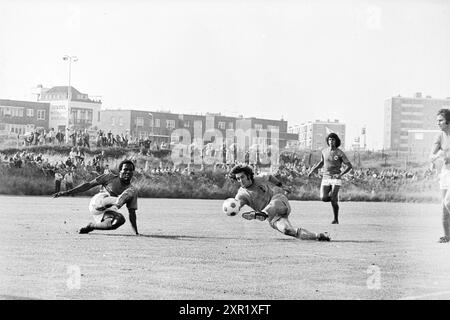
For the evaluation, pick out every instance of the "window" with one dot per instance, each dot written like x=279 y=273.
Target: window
x=258 y=126
x=418 y=136
x=157 y=123
x=273 y=128
x=187 y=124
x=41 y=114
x=139 y=121
x=6 y=111
x=230 y=125
x=30 y=112
x=221 y=125
x=170 y=124
x=17 y=112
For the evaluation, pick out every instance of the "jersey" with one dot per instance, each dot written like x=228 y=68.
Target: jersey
x=258 y=195
x=442 y=142
x=112 y=185
x=332 y=161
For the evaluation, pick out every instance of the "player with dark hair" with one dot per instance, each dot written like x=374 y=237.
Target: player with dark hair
x=331 y=161
x=115 y=192
x=257 y=193
x=441 y=150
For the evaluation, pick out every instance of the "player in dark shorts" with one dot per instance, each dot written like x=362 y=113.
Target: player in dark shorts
x=331 y=161
x=115 y=192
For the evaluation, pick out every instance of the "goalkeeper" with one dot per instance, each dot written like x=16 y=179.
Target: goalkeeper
x=257 y=193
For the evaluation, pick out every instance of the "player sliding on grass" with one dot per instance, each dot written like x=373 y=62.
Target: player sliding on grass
x=331 y=161
x=257 y=193
x=115 y=192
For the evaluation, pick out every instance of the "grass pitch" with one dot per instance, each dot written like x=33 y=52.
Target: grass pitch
x=191 y=250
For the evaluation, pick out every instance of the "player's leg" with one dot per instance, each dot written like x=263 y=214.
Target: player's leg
x=284 y=226
x=334 y=196
x=325 y=190
x=111 y=221
x=124 y=197
x=278 y=211
x=445 y=215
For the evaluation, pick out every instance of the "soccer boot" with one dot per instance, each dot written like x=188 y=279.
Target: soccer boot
x=252 y=215
x=323 y=236
x=444 y=240
x=86 y=229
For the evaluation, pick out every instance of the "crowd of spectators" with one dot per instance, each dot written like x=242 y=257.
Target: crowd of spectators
x=382 y=178
x=85 y=138
x=65 y=169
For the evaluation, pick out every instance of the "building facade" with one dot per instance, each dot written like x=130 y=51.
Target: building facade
x=20 y=117
x=74 y=110
x=402 y=114
x=161 y=126
x=312 y=134
x=421 y=141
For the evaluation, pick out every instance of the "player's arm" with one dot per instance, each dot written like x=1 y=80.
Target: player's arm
x=242 y=200
x=348 y=165
x=278 y=183
x=132 y=217
x=78 y=189
x=435 y=154
x=82 y=187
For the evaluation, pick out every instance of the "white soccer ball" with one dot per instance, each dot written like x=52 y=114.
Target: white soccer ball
x=99 y=201
x=230 y=207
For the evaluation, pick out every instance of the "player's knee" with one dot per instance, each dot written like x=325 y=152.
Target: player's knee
x=446 y=203
x=334 y=200
x=283 y=229
x=117 y=221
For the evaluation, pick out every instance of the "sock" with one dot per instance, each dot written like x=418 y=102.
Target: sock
x=304 y=234
x=104 y=225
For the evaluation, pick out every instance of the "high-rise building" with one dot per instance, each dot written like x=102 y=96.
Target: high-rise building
x=312 y=134
x=404 y=114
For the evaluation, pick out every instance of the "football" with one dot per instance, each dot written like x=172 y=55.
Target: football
x=99 y=201
x=230 y=207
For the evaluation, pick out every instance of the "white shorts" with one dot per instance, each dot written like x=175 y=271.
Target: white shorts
x=99 y=200
x=277 y=208
x=444 y=179
x=331 y=182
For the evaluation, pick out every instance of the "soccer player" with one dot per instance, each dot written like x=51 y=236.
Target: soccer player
x=257 y=193
x=331 y=161
x=114 y=186
x=441 y=149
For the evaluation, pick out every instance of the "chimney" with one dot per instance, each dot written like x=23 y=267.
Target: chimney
x=418 y=95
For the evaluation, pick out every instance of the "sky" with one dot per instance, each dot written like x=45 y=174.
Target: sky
x=294 y=60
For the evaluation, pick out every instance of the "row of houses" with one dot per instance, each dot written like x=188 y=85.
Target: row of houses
x=60 y=109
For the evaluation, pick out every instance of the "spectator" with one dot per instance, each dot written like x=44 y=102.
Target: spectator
x=58 y=179
x=68 y=177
